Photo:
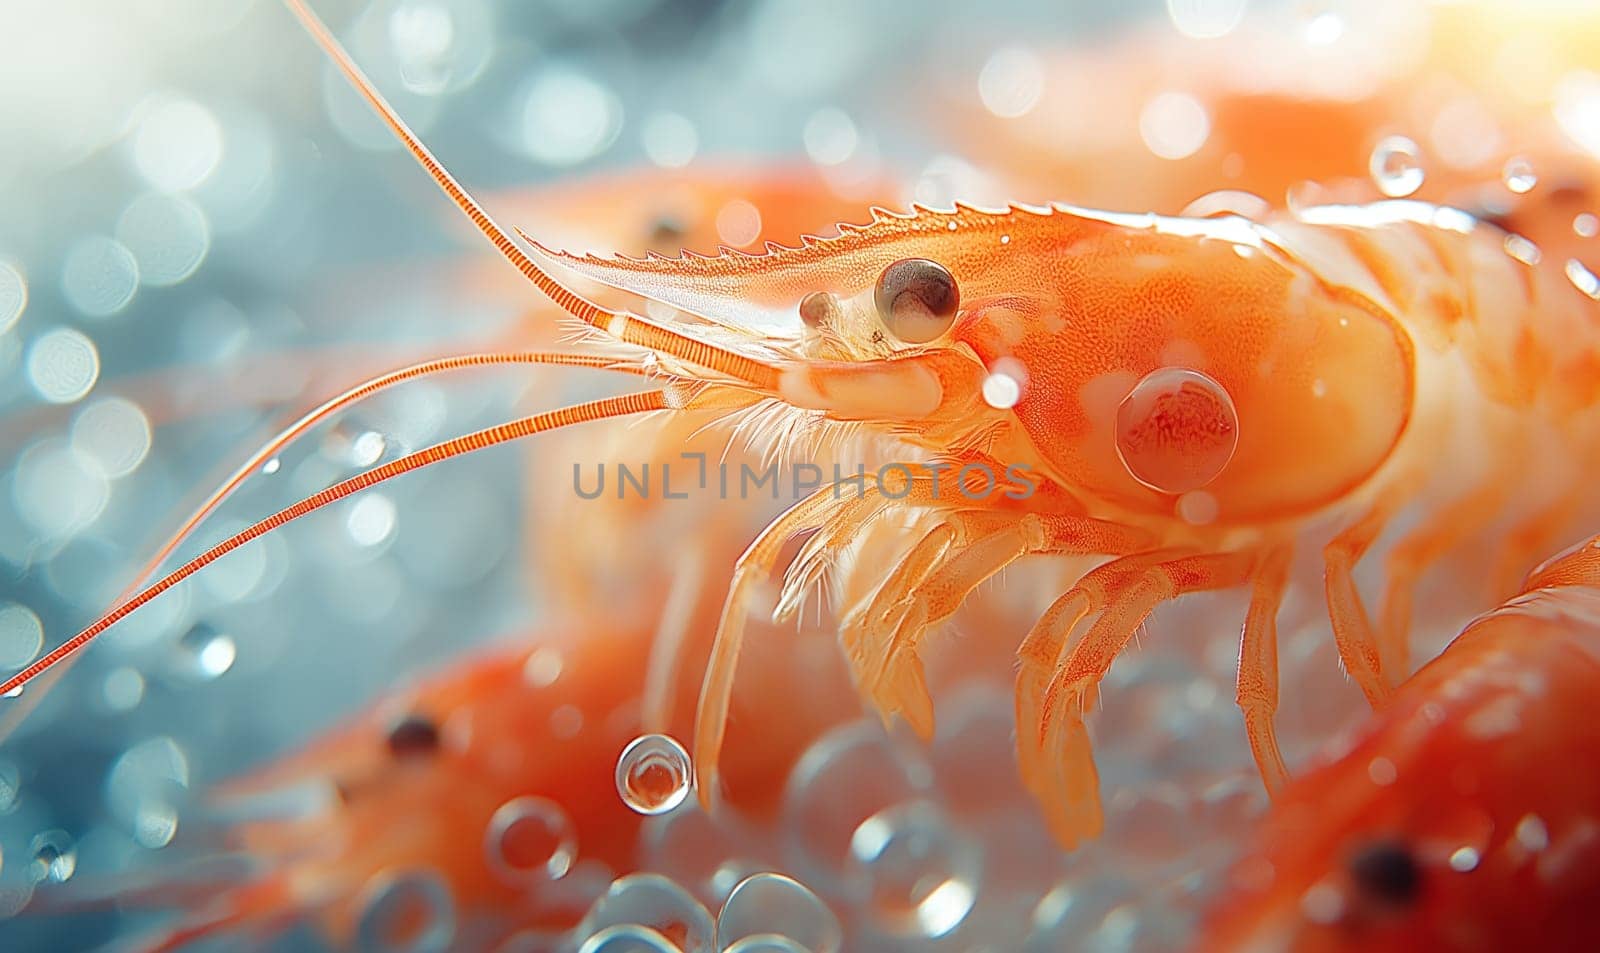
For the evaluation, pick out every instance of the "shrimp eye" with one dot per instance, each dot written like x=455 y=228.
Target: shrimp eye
x=1176 y=430
x=413 y=734
x=917 y=299
x=1387 y=872
x=819 y=309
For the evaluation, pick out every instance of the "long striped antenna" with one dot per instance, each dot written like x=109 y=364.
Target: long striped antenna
x=621 y=325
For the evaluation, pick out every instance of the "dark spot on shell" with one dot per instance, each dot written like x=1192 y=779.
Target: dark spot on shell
x=412 y=735
x=917 y=299
x=1387 y=871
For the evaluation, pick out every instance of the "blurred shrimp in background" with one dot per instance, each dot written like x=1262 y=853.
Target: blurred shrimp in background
x=205 y=233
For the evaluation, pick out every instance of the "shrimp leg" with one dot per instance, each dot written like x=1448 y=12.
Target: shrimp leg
x=1069 y=788
x=1257 y=692
x=1352 y=629
x=1443 y=531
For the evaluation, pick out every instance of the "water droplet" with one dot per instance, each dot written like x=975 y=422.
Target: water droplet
x=1586 y=225
x=846 y=776
x=1396 y=166
x=830 y=136
x=530 y=839
x=765 y=943
x=653 y=774
x=367 y=448
x=1197 y=508
x=55 y=857
x=21 y=636
x=628 y=938
x=1002 y=388
x=1583 y=279
x=406 y=912
x=923 y=873
x=768 y=908
x=1011 y=82
x=208 y=652
x=13 y=295
x=1174 y=125
x=272 y=466
x=1519 y=176
x=654 y=902
x=155 y=823
x=1522 y=250
x=1464 y=859
x=670 y=139
x=1176 y=430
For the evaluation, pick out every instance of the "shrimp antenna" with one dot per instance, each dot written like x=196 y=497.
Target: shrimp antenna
x=629 y=328
x=14 y=715
x=625 y=405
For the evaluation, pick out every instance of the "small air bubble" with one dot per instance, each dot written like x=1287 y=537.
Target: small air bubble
x=1197 y=508
x=1583 y=279
x=771 y=912
x=209 y=653
x=653 y=774
x=1464 y=859
x=55 y=857
x=410 y=910
x=367 y=448
x=1518 y=175
x=1586 y=225
x=1522 y=250
x=1396 y=167
x=272 y=466
x=1001 y=390
x=530 y=839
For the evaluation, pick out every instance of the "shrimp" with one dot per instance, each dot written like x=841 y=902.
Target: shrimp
x=1466 y=816
x=1185 y=397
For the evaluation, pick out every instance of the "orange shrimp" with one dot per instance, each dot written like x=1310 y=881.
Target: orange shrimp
x=1464 y=817
x=1190 y=397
